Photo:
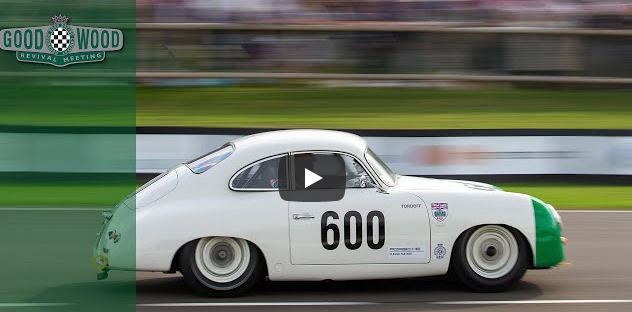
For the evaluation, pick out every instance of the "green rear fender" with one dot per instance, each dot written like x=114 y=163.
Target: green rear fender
x=549 y=249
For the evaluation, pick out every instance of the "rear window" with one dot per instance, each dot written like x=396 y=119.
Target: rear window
x=211 y=159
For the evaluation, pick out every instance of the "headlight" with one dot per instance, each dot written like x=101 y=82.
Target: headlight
x=556 y=215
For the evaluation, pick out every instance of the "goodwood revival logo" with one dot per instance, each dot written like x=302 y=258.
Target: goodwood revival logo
x=61 y=44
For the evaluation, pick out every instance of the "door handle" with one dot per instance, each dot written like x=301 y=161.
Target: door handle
x=302 y=216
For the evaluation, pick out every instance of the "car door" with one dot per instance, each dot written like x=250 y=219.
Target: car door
x=365 y=226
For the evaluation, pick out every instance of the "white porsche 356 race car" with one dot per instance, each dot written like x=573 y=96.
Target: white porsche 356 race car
x=261 y=206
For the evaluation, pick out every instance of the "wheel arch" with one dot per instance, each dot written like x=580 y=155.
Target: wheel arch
x=175 y=263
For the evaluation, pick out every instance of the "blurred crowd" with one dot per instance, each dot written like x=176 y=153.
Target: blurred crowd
x=242 y=45
x=239 y=43
x=575 y=13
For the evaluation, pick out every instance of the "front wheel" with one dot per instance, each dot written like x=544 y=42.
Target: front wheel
x=221 y=266
x=490 y=258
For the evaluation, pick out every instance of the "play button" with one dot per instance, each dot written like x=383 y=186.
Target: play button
x=311 y=178
x=316 y=177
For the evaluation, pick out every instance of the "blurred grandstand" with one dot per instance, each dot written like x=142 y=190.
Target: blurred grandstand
x=582 y=13
x=475 y=37
x=552 y=38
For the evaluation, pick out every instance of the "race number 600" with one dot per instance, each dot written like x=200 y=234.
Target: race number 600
x=326 y=227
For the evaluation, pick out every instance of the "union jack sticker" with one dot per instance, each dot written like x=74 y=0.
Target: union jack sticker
x=439 y=211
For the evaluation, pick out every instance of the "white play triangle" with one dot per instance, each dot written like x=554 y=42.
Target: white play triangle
x=311 y=178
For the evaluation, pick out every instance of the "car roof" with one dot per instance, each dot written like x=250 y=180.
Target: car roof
x=276 y=142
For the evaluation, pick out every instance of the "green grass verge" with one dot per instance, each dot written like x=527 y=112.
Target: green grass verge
x=344 y=108
x=33 y=105
x=109 y=193
x=382 y=108
x=573 y=196
x=63 y=193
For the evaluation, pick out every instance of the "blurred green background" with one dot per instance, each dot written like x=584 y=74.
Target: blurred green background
x=46 y=255
x=293 y=105
x=300 y=106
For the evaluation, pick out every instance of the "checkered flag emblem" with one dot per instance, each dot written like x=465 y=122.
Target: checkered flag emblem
x=60 y=39
x=58 y=44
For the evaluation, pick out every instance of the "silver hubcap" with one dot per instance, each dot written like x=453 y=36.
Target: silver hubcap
x=222 y=259
x=492 y=251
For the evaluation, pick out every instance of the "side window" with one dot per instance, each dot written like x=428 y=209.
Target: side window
x=357 y=177
x=205 y=162
x=262 y=175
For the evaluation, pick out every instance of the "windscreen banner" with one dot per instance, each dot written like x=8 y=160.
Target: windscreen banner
x=472 y=155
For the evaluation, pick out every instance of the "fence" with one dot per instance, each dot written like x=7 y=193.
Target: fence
x=385 y=51
x=482 y=152
x=207 y=52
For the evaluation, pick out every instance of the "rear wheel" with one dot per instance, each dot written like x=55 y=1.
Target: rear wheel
x=221 y=266
x=490 y=258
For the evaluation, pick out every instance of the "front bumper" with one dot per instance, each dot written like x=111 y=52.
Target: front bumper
x=115 y=247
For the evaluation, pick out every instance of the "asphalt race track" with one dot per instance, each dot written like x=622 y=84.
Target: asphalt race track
x=598 y=278
x=46 y=256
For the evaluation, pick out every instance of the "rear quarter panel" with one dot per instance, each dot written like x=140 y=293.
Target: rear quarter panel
x=203 y=205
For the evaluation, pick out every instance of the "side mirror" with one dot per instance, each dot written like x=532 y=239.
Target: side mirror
x=363 y=181
x=380 y=190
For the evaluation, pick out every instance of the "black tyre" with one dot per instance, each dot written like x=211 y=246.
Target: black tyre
x=490 y=258
x=221 y=266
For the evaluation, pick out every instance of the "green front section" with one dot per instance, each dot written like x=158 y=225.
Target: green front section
x=549 y=249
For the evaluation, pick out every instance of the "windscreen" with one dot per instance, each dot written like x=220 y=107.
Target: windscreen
x=383 y=171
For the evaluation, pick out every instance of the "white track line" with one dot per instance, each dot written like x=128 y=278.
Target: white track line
x=54 y=209
x=256 y=304
x=21 y=305
x=490 y=302
x=343 y=303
